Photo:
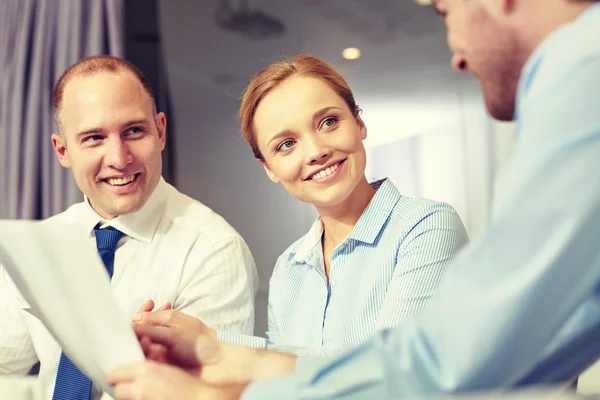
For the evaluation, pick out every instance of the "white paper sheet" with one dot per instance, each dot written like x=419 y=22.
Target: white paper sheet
x=62 y=277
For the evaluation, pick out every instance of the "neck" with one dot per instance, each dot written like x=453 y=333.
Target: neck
x=339 y=220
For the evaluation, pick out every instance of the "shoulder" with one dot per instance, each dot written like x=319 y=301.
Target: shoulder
x=427 y=229
x=562 y=52
x=69 y=216
x=188 y=214
x=433 y=222
x=417 y=209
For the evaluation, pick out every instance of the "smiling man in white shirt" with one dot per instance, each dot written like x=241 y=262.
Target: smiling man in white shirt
x=168 y=247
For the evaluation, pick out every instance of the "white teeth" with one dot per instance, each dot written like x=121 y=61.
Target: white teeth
x=121 y=181
x=324 y=173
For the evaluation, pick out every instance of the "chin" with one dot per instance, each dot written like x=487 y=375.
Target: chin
x=502 y=115
x=128 y=208
x=499 y=100
x=501 y=111
x=331 y=199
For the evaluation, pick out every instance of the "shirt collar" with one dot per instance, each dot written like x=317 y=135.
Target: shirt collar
x=532 y=63
x=367 y=228
x=140 y=225
x=378 y=211
x=309 y=241
x=588 y=12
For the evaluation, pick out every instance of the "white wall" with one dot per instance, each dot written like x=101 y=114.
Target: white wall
x=452 y=156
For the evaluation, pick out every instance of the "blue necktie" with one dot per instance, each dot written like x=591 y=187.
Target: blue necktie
x=71 y=383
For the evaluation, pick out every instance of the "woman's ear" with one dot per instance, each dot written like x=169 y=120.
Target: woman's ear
x=268 y=171
x=361 y=126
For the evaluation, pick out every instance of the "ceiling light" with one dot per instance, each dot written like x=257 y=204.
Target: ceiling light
x=424 y=2
x=351 y=53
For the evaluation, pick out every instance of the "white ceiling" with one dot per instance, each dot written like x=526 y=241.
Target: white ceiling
x=405 y=63
x=403 y=45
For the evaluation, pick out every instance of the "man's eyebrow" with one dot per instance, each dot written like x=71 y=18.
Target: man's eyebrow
x=135 y=122
x=127 y=124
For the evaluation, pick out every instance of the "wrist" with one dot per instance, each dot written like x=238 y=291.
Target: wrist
x=269 y=364
x=202 y=329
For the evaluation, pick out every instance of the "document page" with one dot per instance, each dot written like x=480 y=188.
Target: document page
x=61 y=276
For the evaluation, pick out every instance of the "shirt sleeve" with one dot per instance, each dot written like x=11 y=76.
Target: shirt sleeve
x=219 y=285
x=434 y=240
x=508 y=301
x=17 y=353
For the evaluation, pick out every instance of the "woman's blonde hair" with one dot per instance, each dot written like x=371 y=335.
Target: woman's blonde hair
x=272 y=75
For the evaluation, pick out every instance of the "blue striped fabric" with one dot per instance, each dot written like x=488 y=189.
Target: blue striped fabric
x=383 y=273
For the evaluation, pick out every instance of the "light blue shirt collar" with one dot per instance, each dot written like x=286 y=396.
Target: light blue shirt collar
x=366 y=230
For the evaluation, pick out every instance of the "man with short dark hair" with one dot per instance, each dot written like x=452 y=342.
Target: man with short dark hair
x=156 y=243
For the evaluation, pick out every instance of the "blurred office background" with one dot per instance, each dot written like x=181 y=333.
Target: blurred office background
x=427 y=126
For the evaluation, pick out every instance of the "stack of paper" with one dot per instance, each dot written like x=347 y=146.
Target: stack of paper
x=62 y=277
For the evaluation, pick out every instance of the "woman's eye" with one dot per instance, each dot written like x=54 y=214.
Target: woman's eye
x=285 y=145
x=329 y=122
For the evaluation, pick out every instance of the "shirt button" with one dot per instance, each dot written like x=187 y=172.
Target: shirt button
x=333 y=283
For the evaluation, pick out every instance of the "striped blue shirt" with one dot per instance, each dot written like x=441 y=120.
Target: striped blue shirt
x=383 y=273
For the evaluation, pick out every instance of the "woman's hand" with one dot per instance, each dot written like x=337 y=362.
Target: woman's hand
x=153 y=381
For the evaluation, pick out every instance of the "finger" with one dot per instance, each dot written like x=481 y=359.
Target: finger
x=157 y=352
x=164 y=335
x=147 y=306
x=123 y=373
x=166 y=306
x=125 y=391
x=145 y=344
x=156 y=318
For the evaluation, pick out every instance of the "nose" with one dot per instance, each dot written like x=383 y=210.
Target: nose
x=317 y=151
x=459 y=63
x=118 y=155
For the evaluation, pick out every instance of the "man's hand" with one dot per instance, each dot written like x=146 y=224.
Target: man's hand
x=150 y=380
x=207 y=358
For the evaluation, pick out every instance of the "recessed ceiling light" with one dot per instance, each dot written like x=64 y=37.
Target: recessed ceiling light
x=424 y=2
x=351 y=53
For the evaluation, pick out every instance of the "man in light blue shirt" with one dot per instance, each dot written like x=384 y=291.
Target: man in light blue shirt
x=520 y=306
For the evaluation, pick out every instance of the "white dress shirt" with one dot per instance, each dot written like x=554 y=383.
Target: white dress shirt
x=175 y=249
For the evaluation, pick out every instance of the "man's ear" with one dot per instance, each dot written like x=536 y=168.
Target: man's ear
x=161 y=126
x=60 y=148
x=269 y=172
